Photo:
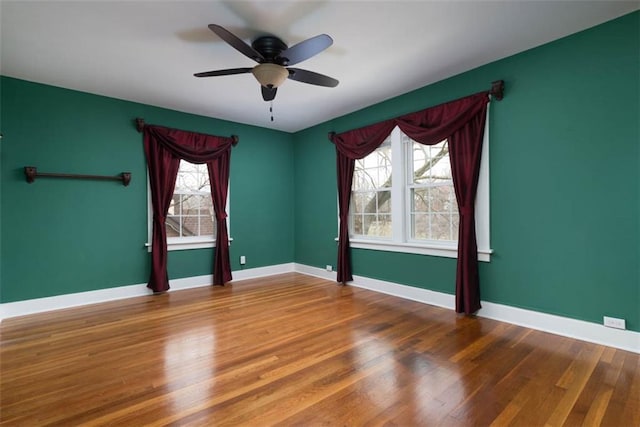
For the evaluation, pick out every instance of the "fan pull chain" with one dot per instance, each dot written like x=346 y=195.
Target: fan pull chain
x=271 y=110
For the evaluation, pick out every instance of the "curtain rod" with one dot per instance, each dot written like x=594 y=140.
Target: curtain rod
x=140 y=124
x=31 y=173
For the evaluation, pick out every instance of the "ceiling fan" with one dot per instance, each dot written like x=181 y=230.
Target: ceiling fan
x=274 y=58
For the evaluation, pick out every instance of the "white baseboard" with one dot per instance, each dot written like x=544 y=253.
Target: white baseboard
x=558 y=325
x=39 y=305
x=254 y=273
x=578 y=329
x=565 y=326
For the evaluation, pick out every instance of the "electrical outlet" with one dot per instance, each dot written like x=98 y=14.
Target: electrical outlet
x=614 y=322
x=329 y=267
x=243 y=260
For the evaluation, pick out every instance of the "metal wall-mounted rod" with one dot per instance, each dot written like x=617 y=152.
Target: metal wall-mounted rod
x=31 y=172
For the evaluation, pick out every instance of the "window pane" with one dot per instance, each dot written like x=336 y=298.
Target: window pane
x=355 y=205
x=434 y=211
x=420 y=199
x=374 y=171
x=419 y=226
x=189 y=226
x=455 y=222
x=384 y=202
x=440 y=227
x=370 y=203
x=440 y=198
x=383 y=226
x=376 y=225
x=191 y=211
x=430 y=163
x=206 y=226
x=371 y=213
x=190 y=204
x=357 y=225
x=368 y=225
x=173 y=226
x=434 y=224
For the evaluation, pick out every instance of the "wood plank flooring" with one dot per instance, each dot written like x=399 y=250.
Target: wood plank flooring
x=298 y=350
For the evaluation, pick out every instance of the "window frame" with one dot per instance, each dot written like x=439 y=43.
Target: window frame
x=400 y=208
x=186 y=242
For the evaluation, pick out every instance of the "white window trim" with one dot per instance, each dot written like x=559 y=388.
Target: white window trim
x=441 y=249
x=181 y=243
x=446 y=251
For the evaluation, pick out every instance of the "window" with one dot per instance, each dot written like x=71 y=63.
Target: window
x=191 y=218
x=403 y=200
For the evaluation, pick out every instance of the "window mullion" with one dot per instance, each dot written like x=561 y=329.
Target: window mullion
x=398 y=186
x=410 y=186
x=180 y=217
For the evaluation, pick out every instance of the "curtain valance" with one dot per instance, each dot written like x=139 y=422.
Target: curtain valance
x=429 y=126
x=191 y=146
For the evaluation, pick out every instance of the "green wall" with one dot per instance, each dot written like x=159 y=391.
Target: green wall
x=66 y=236
x=564 y=154
x=565 y=193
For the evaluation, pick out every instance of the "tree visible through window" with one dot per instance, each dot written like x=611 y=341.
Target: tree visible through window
x=371 y=194
x=191 y=211
x=434 y=211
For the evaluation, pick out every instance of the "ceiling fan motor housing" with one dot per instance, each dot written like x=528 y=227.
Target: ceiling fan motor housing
x=270 y=47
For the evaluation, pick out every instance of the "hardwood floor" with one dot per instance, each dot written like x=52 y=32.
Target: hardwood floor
x=297 y=350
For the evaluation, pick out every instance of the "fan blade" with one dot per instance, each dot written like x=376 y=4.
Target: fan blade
x=268 y=94
x=236 y=43
x=306 y=49
x=227 y=72
x=310 y=77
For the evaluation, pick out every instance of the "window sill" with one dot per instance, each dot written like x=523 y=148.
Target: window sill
x=186 y=244
x=446 y=251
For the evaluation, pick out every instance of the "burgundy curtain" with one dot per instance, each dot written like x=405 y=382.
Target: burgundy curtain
x=462 y=122
x=163 y=170
x=345 y=167
x=219 y=180
x=164 y=148
x=350 y=146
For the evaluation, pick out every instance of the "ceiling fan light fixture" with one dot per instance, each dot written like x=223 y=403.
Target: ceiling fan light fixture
x=270 y=75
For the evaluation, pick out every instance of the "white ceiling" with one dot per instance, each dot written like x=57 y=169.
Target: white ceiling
x=147 y=51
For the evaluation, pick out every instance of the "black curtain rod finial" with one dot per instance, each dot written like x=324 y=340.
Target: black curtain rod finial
x=497 y=90
x=139 y=124
x=236 y=139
